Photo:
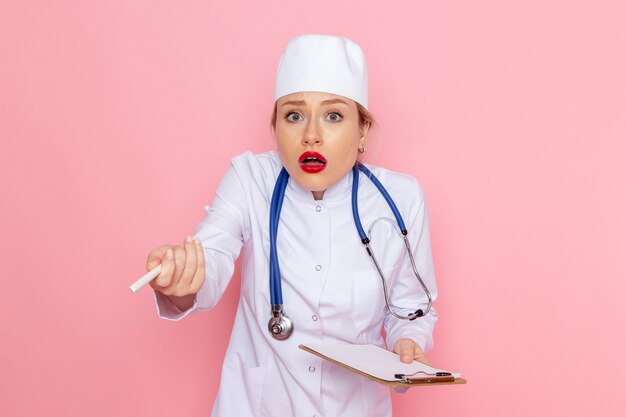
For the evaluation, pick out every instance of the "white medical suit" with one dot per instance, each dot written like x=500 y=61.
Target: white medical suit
x=331 y=290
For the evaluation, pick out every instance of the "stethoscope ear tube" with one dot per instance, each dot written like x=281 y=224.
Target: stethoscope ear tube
x=366 y=241
x=419 y=312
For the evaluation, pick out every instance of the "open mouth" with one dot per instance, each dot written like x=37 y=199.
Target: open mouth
x=312 y=162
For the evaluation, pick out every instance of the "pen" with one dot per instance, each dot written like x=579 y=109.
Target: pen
x=141 y=282
x=402 y=376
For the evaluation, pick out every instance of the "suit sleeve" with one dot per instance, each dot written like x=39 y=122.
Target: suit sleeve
x=222 y=232
x=407 y=294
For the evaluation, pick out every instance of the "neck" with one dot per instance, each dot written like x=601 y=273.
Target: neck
x=317 y=195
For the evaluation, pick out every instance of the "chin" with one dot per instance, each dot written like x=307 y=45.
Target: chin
x=310 y=184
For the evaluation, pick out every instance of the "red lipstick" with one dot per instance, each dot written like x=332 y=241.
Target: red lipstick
x=312 y=162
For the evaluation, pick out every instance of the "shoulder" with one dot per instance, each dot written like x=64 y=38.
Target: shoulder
x=265 y=165
x=257 y=173
x=401 y=186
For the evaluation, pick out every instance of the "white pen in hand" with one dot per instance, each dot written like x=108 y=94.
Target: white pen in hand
x=141 y=282
x=179 y=269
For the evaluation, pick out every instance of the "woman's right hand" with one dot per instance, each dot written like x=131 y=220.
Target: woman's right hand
x=182 y=269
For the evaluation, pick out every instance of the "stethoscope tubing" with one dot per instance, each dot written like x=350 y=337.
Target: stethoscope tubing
x=276 y=206
x=366 y=241
x=280 y=326
x=355 y=208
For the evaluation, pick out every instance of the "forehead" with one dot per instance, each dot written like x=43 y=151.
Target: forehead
x=314 y=98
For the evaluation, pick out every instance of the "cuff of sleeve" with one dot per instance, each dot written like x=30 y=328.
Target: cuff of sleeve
x=166 y=309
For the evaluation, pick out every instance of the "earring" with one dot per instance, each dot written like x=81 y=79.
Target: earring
x=361 y=149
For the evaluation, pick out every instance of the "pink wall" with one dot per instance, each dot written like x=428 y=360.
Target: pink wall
x=118 y=118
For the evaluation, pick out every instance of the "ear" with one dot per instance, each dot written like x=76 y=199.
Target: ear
x=364 y=131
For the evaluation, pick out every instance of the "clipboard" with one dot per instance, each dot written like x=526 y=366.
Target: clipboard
x=337 y=354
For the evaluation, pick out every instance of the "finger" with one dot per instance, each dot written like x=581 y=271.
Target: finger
x=405 y=348
x=419 y=355
x=190 y=266
x=180 y=257
x=167 y=269
x=155 y=256
x=406 y=354
x=198 y=278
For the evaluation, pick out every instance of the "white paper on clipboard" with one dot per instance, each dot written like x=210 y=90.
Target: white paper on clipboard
x=373 y=360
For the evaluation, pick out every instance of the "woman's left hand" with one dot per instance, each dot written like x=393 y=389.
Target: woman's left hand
x=409 y=351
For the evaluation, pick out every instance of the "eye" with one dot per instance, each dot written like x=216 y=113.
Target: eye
x=293 y=117
x=335 y=117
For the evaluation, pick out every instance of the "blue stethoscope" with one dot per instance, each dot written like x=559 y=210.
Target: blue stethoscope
x=280 y=326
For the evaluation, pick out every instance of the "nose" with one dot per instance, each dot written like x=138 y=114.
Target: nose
x=312 y=134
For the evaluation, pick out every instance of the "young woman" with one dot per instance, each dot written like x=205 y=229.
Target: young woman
x=331 y=289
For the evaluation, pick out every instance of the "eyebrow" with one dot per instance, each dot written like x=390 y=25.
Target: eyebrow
x=325 y=102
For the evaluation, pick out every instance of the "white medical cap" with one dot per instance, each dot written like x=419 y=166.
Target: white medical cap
x=329 y=64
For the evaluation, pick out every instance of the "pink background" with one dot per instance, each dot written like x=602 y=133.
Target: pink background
x=118 y=118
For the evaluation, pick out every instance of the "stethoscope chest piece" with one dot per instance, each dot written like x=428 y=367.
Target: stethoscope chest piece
x=280 y=326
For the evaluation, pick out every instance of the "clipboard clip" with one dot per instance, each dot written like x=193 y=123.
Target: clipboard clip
x=438 y=377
